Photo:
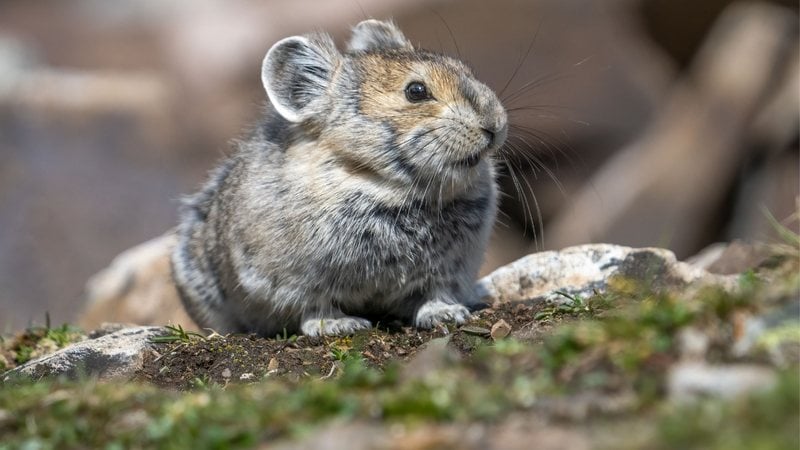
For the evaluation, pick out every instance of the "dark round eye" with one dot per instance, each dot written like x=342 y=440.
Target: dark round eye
x=417 y=92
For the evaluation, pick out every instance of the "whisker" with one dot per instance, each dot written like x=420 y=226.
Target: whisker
x=536 y=83
x=452 y=36
x=521 y=61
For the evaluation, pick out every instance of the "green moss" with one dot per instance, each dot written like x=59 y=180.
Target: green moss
x=57 y=415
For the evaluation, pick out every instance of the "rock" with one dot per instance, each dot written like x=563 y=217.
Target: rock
x=136 y=288
x=500 y=329
x=475 y=330
x=115 y=355
x=696 y=380
x=582 y=270
x=730 y=258
x=776 y=332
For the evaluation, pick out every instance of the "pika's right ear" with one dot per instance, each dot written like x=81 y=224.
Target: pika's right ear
x=372 y=35
x=296 y=74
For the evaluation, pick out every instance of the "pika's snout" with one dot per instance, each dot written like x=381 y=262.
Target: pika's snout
x=491 y=116
x=495 y=132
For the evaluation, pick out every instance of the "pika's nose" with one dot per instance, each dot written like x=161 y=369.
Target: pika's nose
x=495 y=133
x=489 y=135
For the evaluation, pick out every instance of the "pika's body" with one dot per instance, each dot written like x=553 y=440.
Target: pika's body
x=366 y=191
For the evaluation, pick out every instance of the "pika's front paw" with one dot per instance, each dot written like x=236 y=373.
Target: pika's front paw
x=334 y=326
x=436 y=312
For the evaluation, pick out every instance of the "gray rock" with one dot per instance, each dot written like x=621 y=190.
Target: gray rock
x=584 y=269
x=730 y=258
x=115 y=355
x=776 y=332
x=697 y=380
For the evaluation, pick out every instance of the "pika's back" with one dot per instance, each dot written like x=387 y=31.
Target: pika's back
x=368 y=190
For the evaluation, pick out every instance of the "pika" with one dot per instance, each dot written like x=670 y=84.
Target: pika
x=367 y=191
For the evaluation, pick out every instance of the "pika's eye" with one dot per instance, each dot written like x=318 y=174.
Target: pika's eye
x=417 y=92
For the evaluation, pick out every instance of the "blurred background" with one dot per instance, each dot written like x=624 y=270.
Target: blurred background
x=668 y=123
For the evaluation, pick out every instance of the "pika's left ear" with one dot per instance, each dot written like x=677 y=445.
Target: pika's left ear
x=373 y=35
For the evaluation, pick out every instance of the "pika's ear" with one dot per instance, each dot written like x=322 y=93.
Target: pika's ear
x=371 y=35
x=297 y=72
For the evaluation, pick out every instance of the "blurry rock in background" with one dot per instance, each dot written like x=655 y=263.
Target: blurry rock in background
x=634 y=123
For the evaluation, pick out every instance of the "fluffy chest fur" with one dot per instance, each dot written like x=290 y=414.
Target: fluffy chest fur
x=345 y=238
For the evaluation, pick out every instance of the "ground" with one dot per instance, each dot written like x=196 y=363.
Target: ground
x=191 y=360
x=586 y=373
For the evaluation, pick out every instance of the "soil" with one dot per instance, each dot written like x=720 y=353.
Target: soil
x=249 y=358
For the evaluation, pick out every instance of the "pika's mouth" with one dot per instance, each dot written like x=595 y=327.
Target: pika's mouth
x=470 y=161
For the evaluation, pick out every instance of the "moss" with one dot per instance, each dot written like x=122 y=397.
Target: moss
x=62 y=414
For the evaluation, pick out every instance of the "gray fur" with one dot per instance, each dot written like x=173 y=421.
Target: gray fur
x=345 y=202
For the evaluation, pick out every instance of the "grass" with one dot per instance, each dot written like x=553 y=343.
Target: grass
x=36 y=341
x=176 y=334
x=576 y=306
x=65 y=414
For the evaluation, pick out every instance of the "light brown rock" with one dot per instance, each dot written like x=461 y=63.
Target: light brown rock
x=136 y=288
x=500 y=329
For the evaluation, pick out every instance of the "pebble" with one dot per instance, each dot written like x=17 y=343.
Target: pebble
x=478 y=331
x=500 y=329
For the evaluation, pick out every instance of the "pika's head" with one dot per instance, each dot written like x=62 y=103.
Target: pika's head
x=407 y=114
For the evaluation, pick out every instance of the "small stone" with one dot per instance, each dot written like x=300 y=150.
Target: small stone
x=226 y=373
x=500 y=329
x=478 y=331
x=246 y=376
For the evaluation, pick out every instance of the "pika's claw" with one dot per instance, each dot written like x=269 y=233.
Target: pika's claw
x=334 y=326
x=435 y=312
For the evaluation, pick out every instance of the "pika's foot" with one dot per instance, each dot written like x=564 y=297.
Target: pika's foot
x=435 y=312
x=330 y=326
